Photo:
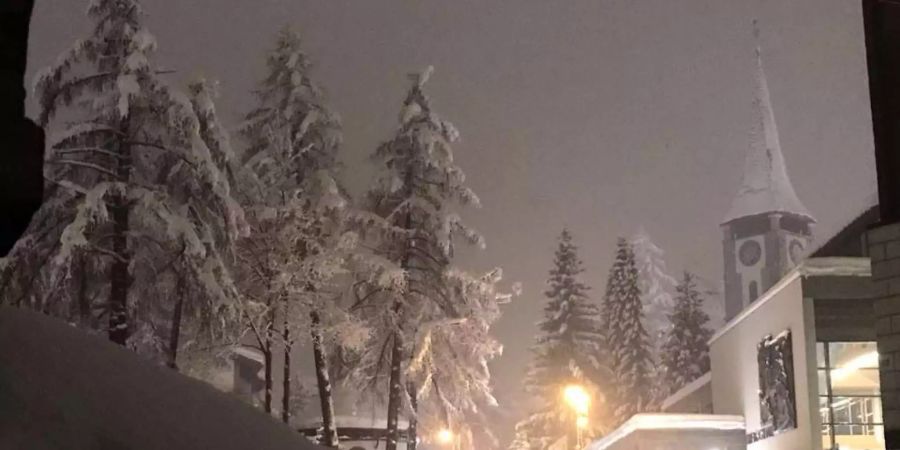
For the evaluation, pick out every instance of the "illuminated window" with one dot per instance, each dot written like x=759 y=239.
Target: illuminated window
x=849 y=395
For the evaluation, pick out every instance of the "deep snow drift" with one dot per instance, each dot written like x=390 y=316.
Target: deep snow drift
x=63 y=389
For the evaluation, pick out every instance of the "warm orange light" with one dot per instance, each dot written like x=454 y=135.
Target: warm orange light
x=581 y=422
x=577 y=398
x=445 y=436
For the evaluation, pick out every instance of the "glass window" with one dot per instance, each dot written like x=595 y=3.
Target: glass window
x=849 y=395
x=856 y=355
x=859 y=382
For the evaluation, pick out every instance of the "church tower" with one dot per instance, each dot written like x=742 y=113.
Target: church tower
x=767 y=230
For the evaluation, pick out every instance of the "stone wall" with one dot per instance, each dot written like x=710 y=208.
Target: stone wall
x=884 y=250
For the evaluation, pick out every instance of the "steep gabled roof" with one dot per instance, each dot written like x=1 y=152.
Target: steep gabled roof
x=765 y=187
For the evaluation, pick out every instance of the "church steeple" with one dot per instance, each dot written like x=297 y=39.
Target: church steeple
x=765 y=186
x=767 y=229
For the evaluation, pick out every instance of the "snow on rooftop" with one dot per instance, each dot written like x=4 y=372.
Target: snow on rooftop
x=765 y=187
x=714 y=422
x=62 y=388
x=350 y=421
x=686 y=390
x=249 y=353
x=839 y=266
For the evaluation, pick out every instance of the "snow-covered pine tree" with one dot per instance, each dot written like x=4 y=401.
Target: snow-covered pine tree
x=685 y=353
x=197 y=325
x=450 y=351
x=414 y=228
x=657 y=287
x=567 y=347
x=296 y=247
x=120 y=166
x=626 y=346
x=528 y=435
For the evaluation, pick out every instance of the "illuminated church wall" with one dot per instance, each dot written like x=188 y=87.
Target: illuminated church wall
x=735 y=356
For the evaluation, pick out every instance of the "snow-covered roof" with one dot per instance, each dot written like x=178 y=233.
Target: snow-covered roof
x=765 y=187
x=356 y=422
x=837 y=266
x=686 y=390
x=669 y=422
x=249 y=353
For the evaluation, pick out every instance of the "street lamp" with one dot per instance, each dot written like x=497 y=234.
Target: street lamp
x=445 y=436
x=579 y=400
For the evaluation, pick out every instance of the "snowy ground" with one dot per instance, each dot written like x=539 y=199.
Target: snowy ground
x=63 y=389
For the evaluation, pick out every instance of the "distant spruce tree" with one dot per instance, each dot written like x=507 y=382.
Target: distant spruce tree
x=626 y=345
x=685 y=353
x=566 y=349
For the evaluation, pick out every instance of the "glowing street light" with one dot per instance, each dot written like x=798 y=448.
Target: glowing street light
x=577 y=398
x=445 y=436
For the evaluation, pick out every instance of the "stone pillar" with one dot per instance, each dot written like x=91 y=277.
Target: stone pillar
x=884 y=251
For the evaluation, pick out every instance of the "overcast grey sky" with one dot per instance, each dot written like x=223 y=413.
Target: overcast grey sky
x=600 y=115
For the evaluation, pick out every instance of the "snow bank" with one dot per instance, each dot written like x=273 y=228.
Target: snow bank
x=63 y=389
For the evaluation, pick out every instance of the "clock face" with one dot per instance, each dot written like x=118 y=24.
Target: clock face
x=749 y=253
x=796 y=251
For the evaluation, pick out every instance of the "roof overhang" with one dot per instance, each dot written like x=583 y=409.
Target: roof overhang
x=673 y=422
x=686 y=390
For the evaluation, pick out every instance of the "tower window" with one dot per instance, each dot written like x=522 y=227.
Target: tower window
x=753 y=292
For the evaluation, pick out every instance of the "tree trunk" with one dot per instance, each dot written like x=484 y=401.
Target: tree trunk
x=394 y=394
x=267 y=360
x=323 y=379
x=119 y=278
x=286 y=378
x=267 y=352
x=175 y=332
x=412 y=432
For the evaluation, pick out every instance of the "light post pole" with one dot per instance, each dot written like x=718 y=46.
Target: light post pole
x=578 y=399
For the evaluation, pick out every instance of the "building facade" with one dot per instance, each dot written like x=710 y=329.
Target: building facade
x=797 y=361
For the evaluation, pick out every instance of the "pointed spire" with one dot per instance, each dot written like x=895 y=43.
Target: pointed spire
x=766 y=186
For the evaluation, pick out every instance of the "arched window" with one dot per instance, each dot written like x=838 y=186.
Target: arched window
x=754 y=292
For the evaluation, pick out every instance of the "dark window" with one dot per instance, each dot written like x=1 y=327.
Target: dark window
x=754 y=291
x=795 y=225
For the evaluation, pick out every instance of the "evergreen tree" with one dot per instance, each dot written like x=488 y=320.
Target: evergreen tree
x=626 y=347
x=430 y=320
x=565 y=352
x=657 y=287
x=685 y=354
x=297 y=246
x=134 y=191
